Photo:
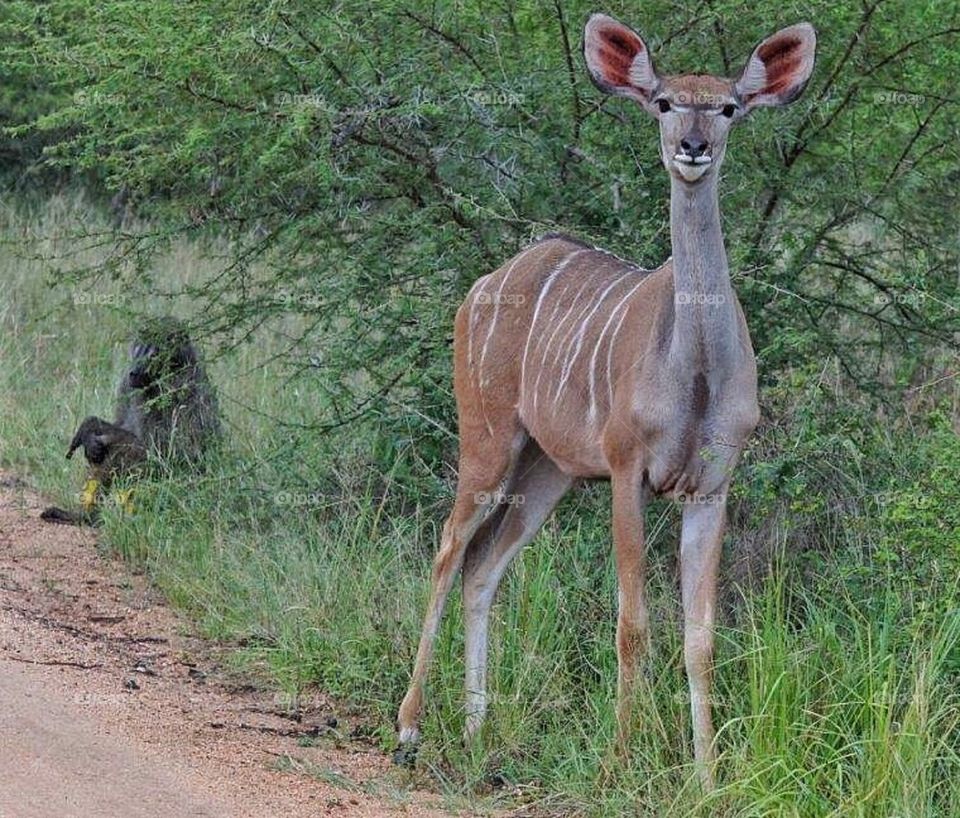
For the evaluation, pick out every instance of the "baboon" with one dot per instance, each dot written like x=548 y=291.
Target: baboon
x=167 y=414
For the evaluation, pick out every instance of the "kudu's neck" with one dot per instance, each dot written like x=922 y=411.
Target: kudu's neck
x=705 y=329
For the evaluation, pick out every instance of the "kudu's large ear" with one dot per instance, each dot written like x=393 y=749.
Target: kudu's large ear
x=618 y=59
x=778 y=70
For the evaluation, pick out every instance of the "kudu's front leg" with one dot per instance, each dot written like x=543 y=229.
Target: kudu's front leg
x=704 y=519
x=629 y=500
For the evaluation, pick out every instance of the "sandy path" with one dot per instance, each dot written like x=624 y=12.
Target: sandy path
x=107 y=709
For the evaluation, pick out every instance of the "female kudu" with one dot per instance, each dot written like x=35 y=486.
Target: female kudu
x=572 y=363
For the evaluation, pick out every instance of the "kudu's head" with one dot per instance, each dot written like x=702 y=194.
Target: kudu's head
x=696 y=111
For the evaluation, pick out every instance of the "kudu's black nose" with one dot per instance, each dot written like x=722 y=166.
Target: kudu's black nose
x=694 y=146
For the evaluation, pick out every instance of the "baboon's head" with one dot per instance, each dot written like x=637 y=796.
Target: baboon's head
x=159 y=351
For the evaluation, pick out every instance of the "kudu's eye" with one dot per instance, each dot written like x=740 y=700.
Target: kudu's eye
x=663 y=105
x=729 y=110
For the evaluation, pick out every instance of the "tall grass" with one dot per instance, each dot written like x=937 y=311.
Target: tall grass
x=832 y=699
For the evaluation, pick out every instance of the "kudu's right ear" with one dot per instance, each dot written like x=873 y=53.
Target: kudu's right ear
x=618 y=59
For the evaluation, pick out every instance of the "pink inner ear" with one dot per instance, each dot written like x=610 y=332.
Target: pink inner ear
x=616 y=54
x=781 y=58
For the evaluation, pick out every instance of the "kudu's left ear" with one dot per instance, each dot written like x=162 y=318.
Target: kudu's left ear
x=778 y=70
x=618 y=59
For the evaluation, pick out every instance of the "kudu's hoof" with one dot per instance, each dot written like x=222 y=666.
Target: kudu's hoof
x=405 y=755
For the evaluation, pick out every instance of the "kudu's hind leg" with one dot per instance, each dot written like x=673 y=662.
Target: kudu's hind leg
x=537 y=487
x=484 y=471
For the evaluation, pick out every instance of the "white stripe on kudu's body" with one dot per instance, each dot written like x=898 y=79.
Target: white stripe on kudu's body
x=547 y=344
x=471 y=298
x=557 y=270
x=664 y=409
x=571 y=357
x=497 y=301
x=592 y=388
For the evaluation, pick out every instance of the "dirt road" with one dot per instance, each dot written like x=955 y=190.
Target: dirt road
x=107 y=709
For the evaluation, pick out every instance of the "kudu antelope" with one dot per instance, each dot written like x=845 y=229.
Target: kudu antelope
x=572 y=363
